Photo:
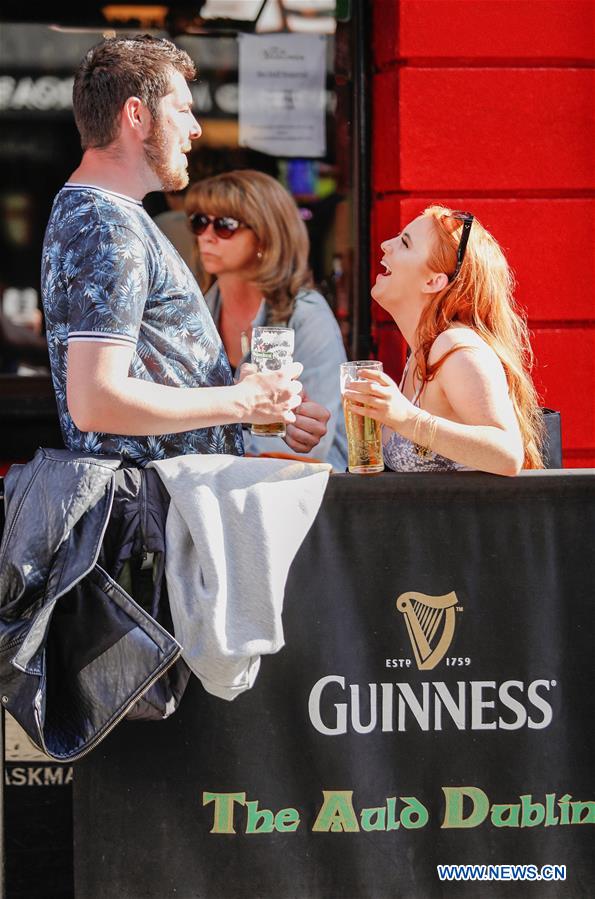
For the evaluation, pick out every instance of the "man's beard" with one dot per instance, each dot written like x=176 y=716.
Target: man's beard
x=156 y=153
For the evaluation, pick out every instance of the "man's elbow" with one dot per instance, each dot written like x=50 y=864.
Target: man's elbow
x=84 y=419
x=89 y=413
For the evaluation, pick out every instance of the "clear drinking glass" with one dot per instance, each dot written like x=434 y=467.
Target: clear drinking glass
x=364 y=435
x=271 y=350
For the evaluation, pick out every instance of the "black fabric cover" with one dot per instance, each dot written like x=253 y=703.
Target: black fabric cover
x=518 y=555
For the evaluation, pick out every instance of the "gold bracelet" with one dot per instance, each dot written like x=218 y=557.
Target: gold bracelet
x=432 y=426
x=420 y=444
x=416 y=424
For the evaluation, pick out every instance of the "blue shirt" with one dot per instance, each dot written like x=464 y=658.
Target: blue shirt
x=109 y=274
x=319 y=347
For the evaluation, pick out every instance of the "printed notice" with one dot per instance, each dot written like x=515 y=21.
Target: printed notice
x=282 y=94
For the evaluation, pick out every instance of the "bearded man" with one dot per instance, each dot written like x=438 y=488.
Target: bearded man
x=137 y=364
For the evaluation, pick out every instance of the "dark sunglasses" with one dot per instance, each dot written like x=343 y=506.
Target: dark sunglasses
x=224 y=226
x=467 y=219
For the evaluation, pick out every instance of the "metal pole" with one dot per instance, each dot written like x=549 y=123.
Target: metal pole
x=2 y=756
x=361 y=31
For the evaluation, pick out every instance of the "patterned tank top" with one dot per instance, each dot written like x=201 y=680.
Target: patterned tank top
x=401 y=454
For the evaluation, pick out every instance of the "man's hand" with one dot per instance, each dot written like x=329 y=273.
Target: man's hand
x=308 y=428
x=269 y=397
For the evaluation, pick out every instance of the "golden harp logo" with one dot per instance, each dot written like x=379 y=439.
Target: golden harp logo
x=430 y=623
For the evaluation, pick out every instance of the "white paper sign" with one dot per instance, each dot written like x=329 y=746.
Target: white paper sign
x=282 y=93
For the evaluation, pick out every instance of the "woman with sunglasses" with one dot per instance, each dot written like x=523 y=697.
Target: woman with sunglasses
x=466 y=400
x=253 y=242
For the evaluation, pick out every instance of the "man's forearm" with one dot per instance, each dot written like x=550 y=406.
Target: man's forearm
x=136 y=407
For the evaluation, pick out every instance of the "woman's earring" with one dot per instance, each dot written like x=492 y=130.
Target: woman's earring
x=259 y=254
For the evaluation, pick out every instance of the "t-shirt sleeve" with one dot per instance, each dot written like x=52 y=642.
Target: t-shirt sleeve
x=106 y=273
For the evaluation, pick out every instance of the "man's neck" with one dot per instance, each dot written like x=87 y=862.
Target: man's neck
x=118 y=173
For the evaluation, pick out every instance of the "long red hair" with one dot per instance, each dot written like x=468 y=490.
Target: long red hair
x=481 y=297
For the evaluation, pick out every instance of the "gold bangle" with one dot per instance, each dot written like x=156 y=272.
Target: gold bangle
x=420 y=444
x=418 y=420
x=432 y=426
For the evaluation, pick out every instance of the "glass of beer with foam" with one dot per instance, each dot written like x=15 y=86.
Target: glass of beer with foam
x=364 y=435
x=271 y=350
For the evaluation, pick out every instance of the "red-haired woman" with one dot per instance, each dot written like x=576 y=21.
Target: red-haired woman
x=466 y=400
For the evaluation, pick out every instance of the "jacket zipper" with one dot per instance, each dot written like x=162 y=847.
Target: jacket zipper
x=123 y=713
x=143 y=514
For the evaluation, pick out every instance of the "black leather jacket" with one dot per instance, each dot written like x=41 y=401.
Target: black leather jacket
x=76 y=651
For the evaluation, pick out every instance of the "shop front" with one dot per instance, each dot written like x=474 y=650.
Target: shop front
x=307 y=136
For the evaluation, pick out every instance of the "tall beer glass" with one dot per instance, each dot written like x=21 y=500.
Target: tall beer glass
x=364 y=435
x=271 y=350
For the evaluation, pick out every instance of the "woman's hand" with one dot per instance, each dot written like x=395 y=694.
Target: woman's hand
x=376 y=395
x=309 y=426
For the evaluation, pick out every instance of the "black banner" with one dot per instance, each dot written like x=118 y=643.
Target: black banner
x=433 y=706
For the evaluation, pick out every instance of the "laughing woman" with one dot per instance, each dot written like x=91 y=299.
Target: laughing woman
x=466 y=400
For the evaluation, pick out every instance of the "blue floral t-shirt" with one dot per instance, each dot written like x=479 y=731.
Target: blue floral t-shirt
x=109 y=273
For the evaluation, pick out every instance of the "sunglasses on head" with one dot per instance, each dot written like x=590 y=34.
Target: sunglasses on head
x=467 y=219
x=224 y=226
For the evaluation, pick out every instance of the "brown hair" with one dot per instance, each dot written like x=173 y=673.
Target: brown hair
x=261 y=202
x=119 y=68
x=481 y=298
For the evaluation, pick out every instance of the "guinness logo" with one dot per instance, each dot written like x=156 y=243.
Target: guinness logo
x=430 y=623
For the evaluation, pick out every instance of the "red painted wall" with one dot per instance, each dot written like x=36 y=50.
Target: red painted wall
x=488 y=105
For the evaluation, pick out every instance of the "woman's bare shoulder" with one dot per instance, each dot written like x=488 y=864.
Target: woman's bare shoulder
x=473 y=363
x=458 y=337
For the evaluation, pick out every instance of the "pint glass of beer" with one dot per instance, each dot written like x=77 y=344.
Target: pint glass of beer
x=364 y=435
x=272 y=349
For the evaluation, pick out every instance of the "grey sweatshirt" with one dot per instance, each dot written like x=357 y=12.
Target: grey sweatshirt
x=233 y=528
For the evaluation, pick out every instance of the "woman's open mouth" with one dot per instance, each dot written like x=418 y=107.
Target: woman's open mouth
x=387 y=271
